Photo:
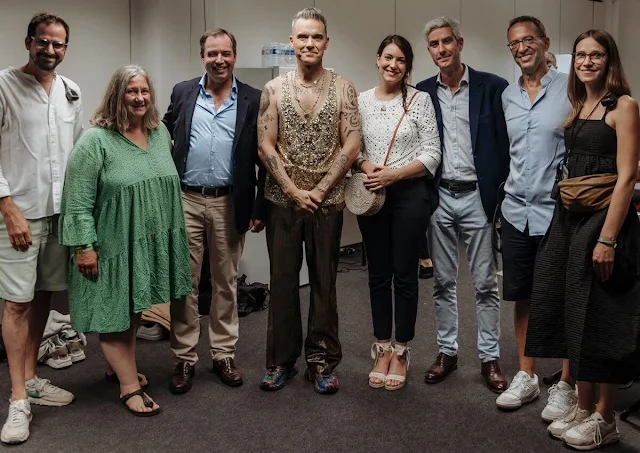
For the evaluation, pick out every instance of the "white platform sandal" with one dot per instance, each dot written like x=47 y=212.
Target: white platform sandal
x=378 y=350
x=400 y=351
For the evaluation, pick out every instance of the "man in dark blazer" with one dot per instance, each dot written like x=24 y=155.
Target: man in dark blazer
x=464 y=195
x=212 y=120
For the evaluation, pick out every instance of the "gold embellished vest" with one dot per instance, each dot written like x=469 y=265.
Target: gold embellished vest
x=307 y=143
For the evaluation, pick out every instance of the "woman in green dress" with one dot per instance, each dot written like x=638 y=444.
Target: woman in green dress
x=122 y=213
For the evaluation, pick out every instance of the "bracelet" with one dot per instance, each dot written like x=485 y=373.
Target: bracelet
x=612 y=244
x=358 y=164
x=84 y=248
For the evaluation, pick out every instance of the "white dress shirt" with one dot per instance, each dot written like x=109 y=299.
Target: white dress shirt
x=37 y=133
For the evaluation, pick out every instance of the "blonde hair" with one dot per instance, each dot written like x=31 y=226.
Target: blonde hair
x=112 y=113
x=310 y=13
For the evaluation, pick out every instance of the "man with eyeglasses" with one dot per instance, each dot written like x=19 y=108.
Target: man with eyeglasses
x=535 y=107
x=40 y=120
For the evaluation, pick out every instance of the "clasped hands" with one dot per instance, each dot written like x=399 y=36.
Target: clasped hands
x=379 y=176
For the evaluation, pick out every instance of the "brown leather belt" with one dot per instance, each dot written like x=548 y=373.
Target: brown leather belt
x=458 y=186
x=208 y=191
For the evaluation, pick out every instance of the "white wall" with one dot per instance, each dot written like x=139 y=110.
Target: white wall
x=99 y=40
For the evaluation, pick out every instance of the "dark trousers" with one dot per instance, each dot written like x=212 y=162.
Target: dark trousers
x=392 y=240
x=320 y=232
x=424 y=248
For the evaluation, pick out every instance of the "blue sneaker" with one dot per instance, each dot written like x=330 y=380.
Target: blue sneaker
x=323 y=383
x=275 y=378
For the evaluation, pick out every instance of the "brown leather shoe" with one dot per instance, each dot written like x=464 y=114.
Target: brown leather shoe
x=441 y=368
x=228 y=372
x=493 y=377
x=181 y=379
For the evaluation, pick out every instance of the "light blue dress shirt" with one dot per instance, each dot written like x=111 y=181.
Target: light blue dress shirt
x=457 y=155
x=210 y=157
x=536 y=140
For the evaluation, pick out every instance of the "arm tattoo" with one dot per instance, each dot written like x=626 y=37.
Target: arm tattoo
x=272 y=162
x=264 y=101
x=350 y=113
x=338 y=169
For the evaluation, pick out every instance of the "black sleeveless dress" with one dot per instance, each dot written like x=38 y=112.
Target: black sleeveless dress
x=573 y=315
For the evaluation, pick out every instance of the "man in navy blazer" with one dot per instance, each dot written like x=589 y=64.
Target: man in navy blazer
x=464 y=195
x=212 y=120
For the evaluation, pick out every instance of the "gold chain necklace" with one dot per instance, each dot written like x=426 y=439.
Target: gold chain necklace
x=297 y=89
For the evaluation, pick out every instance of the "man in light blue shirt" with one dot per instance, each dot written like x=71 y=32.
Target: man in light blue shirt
x=475 y=161
x=210 y=158
x=213 y=122
x=535 y=108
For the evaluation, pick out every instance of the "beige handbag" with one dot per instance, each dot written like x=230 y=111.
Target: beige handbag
x=359 y=199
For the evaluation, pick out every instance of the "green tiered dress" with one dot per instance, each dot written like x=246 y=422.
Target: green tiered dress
x=127 y=202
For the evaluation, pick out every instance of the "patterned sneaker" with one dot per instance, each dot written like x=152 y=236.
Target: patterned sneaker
x=16 y=428
x=43 y=393
x=564 y=424
x=562 y=400
x=592 y=433
x=324 y=384
x=523 y=389
x=275 y=378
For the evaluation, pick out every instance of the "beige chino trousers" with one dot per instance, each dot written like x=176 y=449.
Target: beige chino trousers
x=213 y=218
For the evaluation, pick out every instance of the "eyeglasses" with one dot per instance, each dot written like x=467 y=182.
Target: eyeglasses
x=42 y=43
x=528 y=41
x=595 y=57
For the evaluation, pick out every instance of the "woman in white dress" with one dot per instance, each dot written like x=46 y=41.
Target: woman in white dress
x=402 y=164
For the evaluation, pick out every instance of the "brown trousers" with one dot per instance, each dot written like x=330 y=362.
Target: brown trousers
x=286 y=231
x=215 y=218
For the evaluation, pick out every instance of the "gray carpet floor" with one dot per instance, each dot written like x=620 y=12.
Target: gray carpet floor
x=458 y=414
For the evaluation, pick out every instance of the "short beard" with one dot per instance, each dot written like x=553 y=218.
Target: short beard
x=45 y=65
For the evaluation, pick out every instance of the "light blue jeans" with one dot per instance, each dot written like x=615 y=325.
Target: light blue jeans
x=461 y=217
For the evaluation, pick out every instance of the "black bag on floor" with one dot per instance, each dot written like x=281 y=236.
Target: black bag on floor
x=251 y=296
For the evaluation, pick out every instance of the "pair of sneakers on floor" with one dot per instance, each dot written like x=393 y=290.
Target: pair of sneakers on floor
x=274 y=378
x=576 y=427
x=40 y=392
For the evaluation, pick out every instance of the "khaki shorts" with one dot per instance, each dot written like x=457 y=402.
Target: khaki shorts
x=43 y=267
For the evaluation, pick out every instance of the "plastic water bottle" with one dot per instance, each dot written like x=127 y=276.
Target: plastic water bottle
x=290 y=58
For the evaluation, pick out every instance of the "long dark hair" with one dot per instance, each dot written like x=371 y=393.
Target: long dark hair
x=405 y=48
x=615 y=80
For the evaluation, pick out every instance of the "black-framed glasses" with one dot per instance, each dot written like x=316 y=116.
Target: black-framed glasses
x=528 y=41
x=42 y=43
x=595 y=57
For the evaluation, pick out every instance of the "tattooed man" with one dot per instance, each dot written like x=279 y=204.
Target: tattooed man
x=308 y=137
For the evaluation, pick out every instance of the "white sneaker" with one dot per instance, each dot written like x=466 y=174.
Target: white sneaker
x=43 y=393
x=523 y=389
x=152 y=332
x=16 y=428
x=562 y=401
x=74 y=345
x=58 y=355
x=592 y=433
x=564 y=424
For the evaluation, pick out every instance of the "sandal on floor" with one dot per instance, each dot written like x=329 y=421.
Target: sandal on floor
x=145 y=399
x=377 y=350
x=400 y=351
x=114 y=378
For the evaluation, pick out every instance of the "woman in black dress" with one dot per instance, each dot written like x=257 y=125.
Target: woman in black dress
x=585 y=304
